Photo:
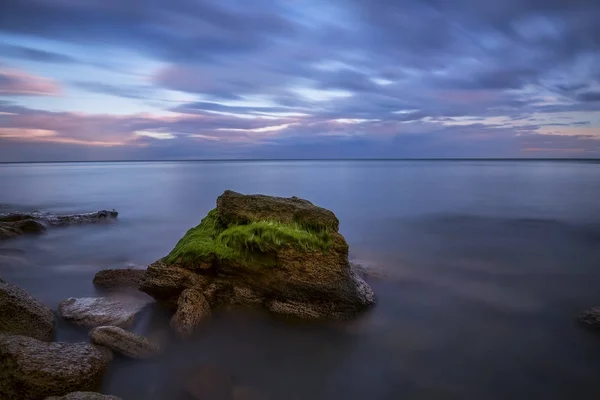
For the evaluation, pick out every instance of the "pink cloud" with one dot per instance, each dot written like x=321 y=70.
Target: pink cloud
x=19 y=83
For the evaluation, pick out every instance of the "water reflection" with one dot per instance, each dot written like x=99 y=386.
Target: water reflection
x=480 y=269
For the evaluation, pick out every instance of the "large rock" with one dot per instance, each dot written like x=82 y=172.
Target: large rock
x=127 y=343
x=99 y=311
x=285 y=254
x=21 y=314
x=117 y=279
x=84 y=396
x=192 y=310
x=32 y=369
x=591 y=318
x=18 y=223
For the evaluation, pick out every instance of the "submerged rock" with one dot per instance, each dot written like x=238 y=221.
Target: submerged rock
x=100 y=311
x=16 y=223
x=127 y=343
x=116 y=279
x=32 y=369
x=192 y=310
x=285 y=254
x=591 y=318
x=10 y=229
x=210 y=382
x=84 y=396
x=21 y=314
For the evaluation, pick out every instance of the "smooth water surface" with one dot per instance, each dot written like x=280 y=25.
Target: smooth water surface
x=480 y=268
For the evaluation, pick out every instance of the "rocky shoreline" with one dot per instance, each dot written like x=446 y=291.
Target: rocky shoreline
x=284 y=255
x=14 y=224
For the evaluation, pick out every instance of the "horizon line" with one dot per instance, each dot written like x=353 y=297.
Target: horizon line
x=313 y=159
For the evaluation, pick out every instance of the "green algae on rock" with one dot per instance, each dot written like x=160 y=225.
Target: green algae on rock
x=215 y=240
x=283 y=254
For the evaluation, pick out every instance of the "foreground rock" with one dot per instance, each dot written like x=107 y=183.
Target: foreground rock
x=127 y=343
x=21 y=314
x=32 y=369
x=16 y=223
x=117 y=279
x=99 y=311
x=591 y=318
x=285 y=254
x=192 y=310
x=84 y=396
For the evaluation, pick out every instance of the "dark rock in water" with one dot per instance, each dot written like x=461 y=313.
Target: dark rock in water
x=100 y=311
x=591 y=318
x=115 y=279
x=21 y=227
x=21 y=314
x=210 y=382
x=31 y=369
x=16 y=223
x=127 y=343
x=192 y=310
x=84 y=396
x=285 y=254
x=61 y=220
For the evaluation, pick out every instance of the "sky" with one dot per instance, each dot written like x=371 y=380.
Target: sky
x=221 y=79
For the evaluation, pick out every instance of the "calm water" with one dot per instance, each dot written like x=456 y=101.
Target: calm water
x=481 y=268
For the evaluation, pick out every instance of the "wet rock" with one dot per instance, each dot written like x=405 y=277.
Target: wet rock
x=210 y=382
x=61 y=220
x=254 y=250
x=84 y=396
x=192 y=310
x=11 y=229
x=166 y=282
x=591 y=318
x=99 y=311
x=21 y=314
x=116 y=279
x=32 y=369
x=17 y=223
x=126 y=343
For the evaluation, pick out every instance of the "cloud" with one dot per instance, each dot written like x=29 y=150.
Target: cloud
x=33 y=54
x=19 y=83
x=379 y=78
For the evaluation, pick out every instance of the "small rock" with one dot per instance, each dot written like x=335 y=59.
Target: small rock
x=210 y=382
x=85 y=396
x=21 y=314
x=31 y=369
x=294 y=309
x=591 y=318
x=127 y=343
x=192 y=310
x=112 y=279
x=100 y=311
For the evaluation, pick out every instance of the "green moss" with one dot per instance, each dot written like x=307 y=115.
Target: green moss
x=243 y=242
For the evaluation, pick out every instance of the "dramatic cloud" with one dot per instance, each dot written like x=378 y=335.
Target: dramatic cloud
x=273 y=78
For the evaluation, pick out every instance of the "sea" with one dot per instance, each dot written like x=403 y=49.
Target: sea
x=480 y=268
